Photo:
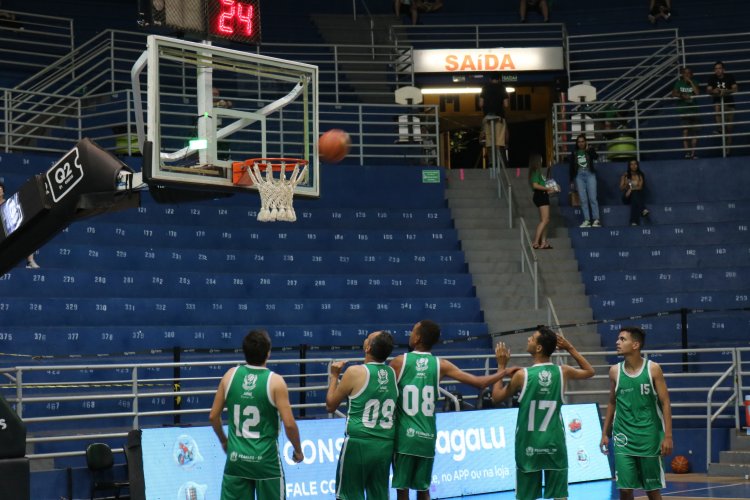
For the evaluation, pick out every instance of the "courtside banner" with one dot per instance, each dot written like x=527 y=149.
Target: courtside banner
x=475 y=454
x=499 y=59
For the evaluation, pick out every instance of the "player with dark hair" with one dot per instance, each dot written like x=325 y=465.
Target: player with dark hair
x=365 y=459
x=255 y=398
x=540 y=433
x=640 y=416
x=418 y=375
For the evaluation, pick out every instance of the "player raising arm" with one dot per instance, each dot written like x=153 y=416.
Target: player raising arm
x=418 y=375
x=365 y=459
x=255 y=398
x=540 y=434
x=640 y=415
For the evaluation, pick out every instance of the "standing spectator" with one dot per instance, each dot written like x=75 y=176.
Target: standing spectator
x=255 y=398
x=538 y=182
x=365 y=459
x=418 y=373
x=30 y=262
x=537 y=5
x=540 y=433
x=632 y=184
x=639 y=415
x=494 y=100
x=659 y=9
x=721 y=86
x=583 y=179
x=685 y=89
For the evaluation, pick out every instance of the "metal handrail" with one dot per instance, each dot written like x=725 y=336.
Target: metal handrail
x=528 y=258
x=711 y=416
x=713 y=413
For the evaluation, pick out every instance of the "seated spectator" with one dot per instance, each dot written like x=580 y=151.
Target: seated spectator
x=30 y=262
x=632 y=184
x=417 y=6
x=537 y=5
x=659 y=9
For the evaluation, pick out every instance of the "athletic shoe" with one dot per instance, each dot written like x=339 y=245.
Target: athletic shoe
x=651 y=19
x=633 y=223
x=645 y=212
x=596 y=223
x=688 y=156
x=585 y=224
x=32 y=265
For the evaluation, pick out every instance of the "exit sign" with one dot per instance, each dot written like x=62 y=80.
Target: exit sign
x=430 y=176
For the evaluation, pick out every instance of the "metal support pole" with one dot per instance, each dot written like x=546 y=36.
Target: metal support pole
x=176 y=377
x=302 y=378
x=684 y=337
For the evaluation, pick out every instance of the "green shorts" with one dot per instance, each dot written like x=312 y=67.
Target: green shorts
x=411 y=472
x=364 y=466
x=646 y=473
x=529 y=484
x=235 y=488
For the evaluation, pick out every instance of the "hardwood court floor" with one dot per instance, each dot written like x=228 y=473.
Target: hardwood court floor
x=679 y=487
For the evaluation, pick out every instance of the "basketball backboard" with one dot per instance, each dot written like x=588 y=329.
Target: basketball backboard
x=204 y=107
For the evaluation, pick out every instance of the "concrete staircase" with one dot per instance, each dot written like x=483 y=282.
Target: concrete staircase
x=493 y=253
x=736 y=461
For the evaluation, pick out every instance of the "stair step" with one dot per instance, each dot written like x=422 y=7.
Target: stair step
x=739 y=441
x=730 y=470
x=735 y=457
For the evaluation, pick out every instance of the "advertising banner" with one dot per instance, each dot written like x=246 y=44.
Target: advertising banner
x=474 y=454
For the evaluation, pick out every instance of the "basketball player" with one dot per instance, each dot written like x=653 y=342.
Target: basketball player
x=365 y=459
x=540 y=432
x=640 y=408
x=418 y=375
x=255 y=398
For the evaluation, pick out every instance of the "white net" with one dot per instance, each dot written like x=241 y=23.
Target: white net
x=276 y=193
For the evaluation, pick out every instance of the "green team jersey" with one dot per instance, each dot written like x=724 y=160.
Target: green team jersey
x=252 y=445
x=416 y=431
x=638 y=427
x=372 y=409
x=683 y=87
x=540 y=433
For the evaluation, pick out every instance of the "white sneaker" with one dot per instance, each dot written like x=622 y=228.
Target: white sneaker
x=596 y=223
x=32 y=265
x=585 y=224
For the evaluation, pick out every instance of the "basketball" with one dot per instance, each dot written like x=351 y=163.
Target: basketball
x=680 y=464
x=333 y=146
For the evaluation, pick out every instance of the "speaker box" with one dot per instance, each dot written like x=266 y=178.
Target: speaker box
x=14 y=479
x=12 y=433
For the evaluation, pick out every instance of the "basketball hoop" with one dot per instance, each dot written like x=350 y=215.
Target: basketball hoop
x=276 y=193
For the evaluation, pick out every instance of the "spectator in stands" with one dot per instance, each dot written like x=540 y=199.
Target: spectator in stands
x=365 y=460
x=632 y=184
x=537 y=5
x=417 y=6
x=583 y=179
x=494 y=100
x=418 y=373
x=30 y=262
x=538 y=182
x=685 y=89
x=721 y=86
x=659 y=9
x=255 y=398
